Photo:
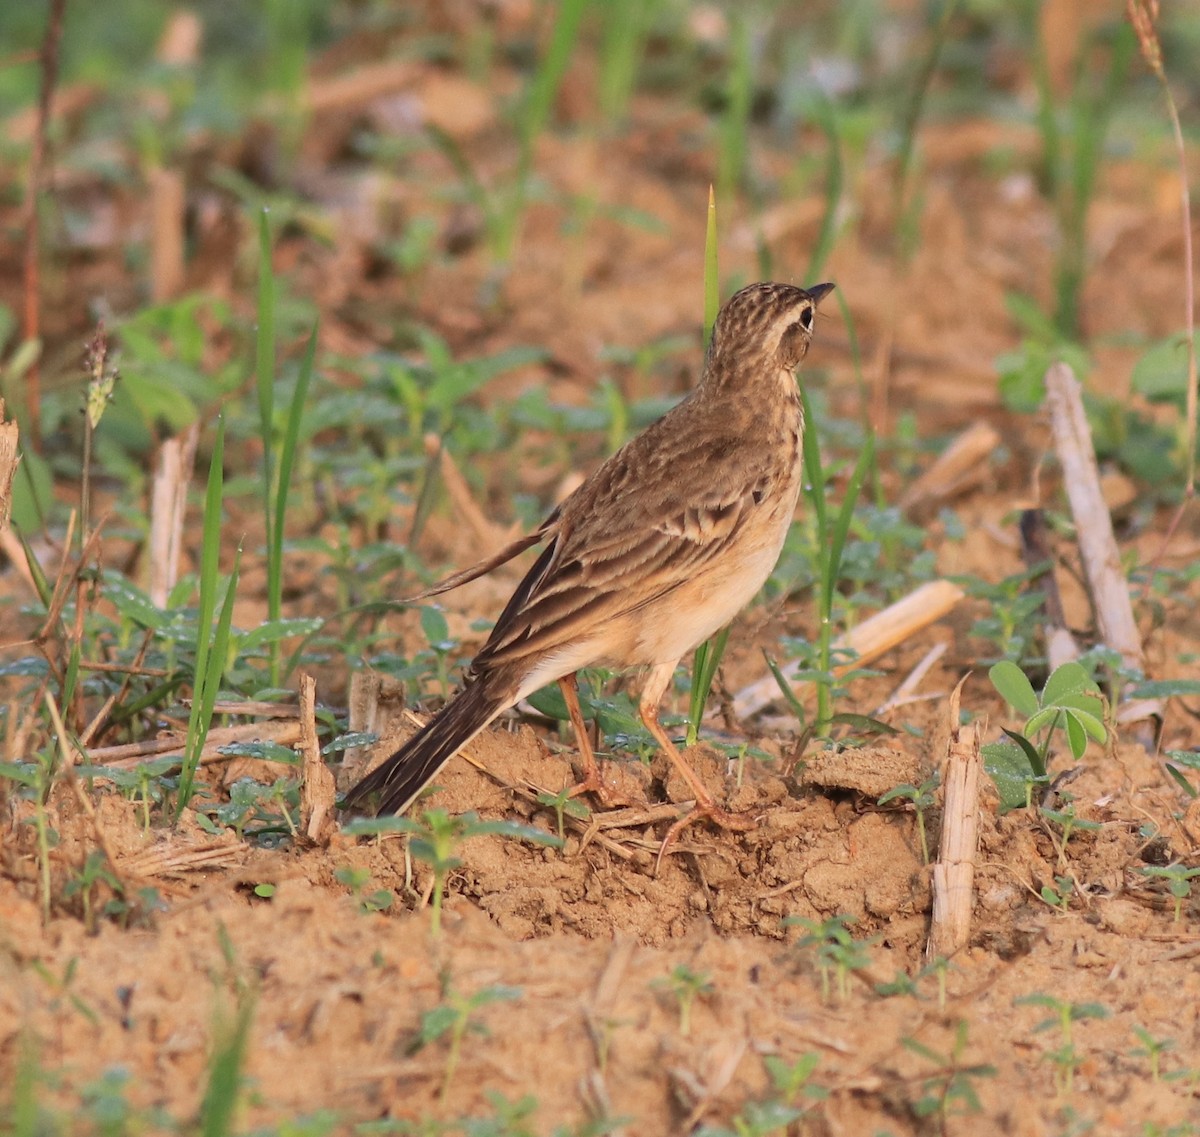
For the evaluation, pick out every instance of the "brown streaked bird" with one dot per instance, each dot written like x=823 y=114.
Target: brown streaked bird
x=655 y=552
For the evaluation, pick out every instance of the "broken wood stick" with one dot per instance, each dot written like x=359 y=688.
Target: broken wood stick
x=317 y=789
x=961 y=465
x=168 y=504
x=954 y=869
x=1093 y=524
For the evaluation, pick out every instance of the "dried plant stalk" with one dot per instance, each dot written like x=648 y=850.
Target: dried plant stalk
x=8 y=467
x=961 y=465
x=1093 y=524
x=954 y=870
x=317 y=788
x=168 y=505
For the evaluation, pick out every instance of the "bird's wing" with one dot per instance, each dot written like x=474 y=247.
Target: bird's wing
x=604 y=562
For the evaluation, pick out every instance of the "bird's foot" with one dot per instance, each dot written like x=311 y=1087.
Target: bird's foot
x=704 y=810
x=608 y=795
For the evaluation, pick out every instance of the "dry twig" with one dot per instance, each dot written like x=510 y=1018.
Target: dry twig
x=954 y=870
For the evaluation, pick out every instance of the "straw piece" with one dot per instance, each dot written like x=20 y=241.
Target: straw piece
x=317 y=788
x=1097 y=545
x=962 y=464
x=954 y=870
x=168 y=504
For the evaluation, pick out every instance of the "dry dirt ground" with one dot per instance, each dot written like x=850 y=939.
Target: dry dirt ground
x=571 y=952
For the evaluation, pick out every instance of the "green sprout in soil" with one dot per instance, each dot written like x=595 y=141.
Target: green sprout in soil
x=685 y=985
x=452 y=1019
x=436 y=839
x=1064 y=1014
x=836 y=952
x=1070 y=701
x=1179 y=882
x=922 y=798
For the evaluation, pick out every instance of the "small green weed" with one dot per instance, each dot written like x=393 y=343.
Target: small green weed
x=835 y=950
x=950 y=1087
x=922 y=798
x=1064 y=1014
x=435 y=839
x=1070 y=700
x=452 y=1019
x=685 y=985
x=357 y=879
x=1179 y=882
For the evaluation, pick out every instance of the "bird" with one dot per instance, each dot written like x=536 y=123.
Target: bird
x=653 y=553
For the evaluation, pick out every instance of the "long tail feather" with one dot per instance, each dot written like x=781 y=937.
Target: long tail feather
x=395 y=784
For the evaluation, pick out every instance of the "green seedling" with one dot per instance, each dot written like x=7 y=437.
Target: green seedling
x=922 y=798
x=452 y=1018
x=211 y=646
x=1070 y=700
x=356 y=879
x=1064 y=1014
x=61 y=988
x=1179 y=882
x=95 y=871
x=219 y=1105
x=436 y=838
x=792 y=1080
x=502 y=207
x=564 y=805
x=951 y=1084
x=685 y=985
x=908 y=985
x=270 y=806
x=1072 y=146
x=835 y=950
x=1067 y=820
x=1058 y=895
x=1152 y=1049
x=441 y=644
x=758 y=1119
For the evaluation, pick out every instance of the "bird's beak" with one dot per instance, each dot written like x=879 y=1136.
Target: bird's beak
x=818 y=292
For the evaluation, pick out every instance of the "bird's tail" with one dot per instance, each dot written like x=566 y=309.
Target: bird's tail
x=395 y=784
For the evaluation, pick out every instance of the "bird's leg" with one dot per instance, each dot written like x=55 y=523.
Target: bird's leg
x=592 y=780
x=705 y=807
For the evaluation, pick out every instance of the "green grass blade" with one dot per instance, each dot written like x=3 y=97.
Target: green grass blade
x=841 y=526
x=210 y=552
x=827 y=120
x=44 y=590
x=704 y=670
x=265 y=359
x=712 y=282
x=287 y=459
x=621 y=47
x=814 y=472
x=735 y=122
x=535 y=113
x=225 y=1072
x=543 y=89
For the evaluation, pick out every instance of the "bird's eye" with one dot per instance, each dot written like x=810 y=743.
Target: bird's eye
x=806 y=319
